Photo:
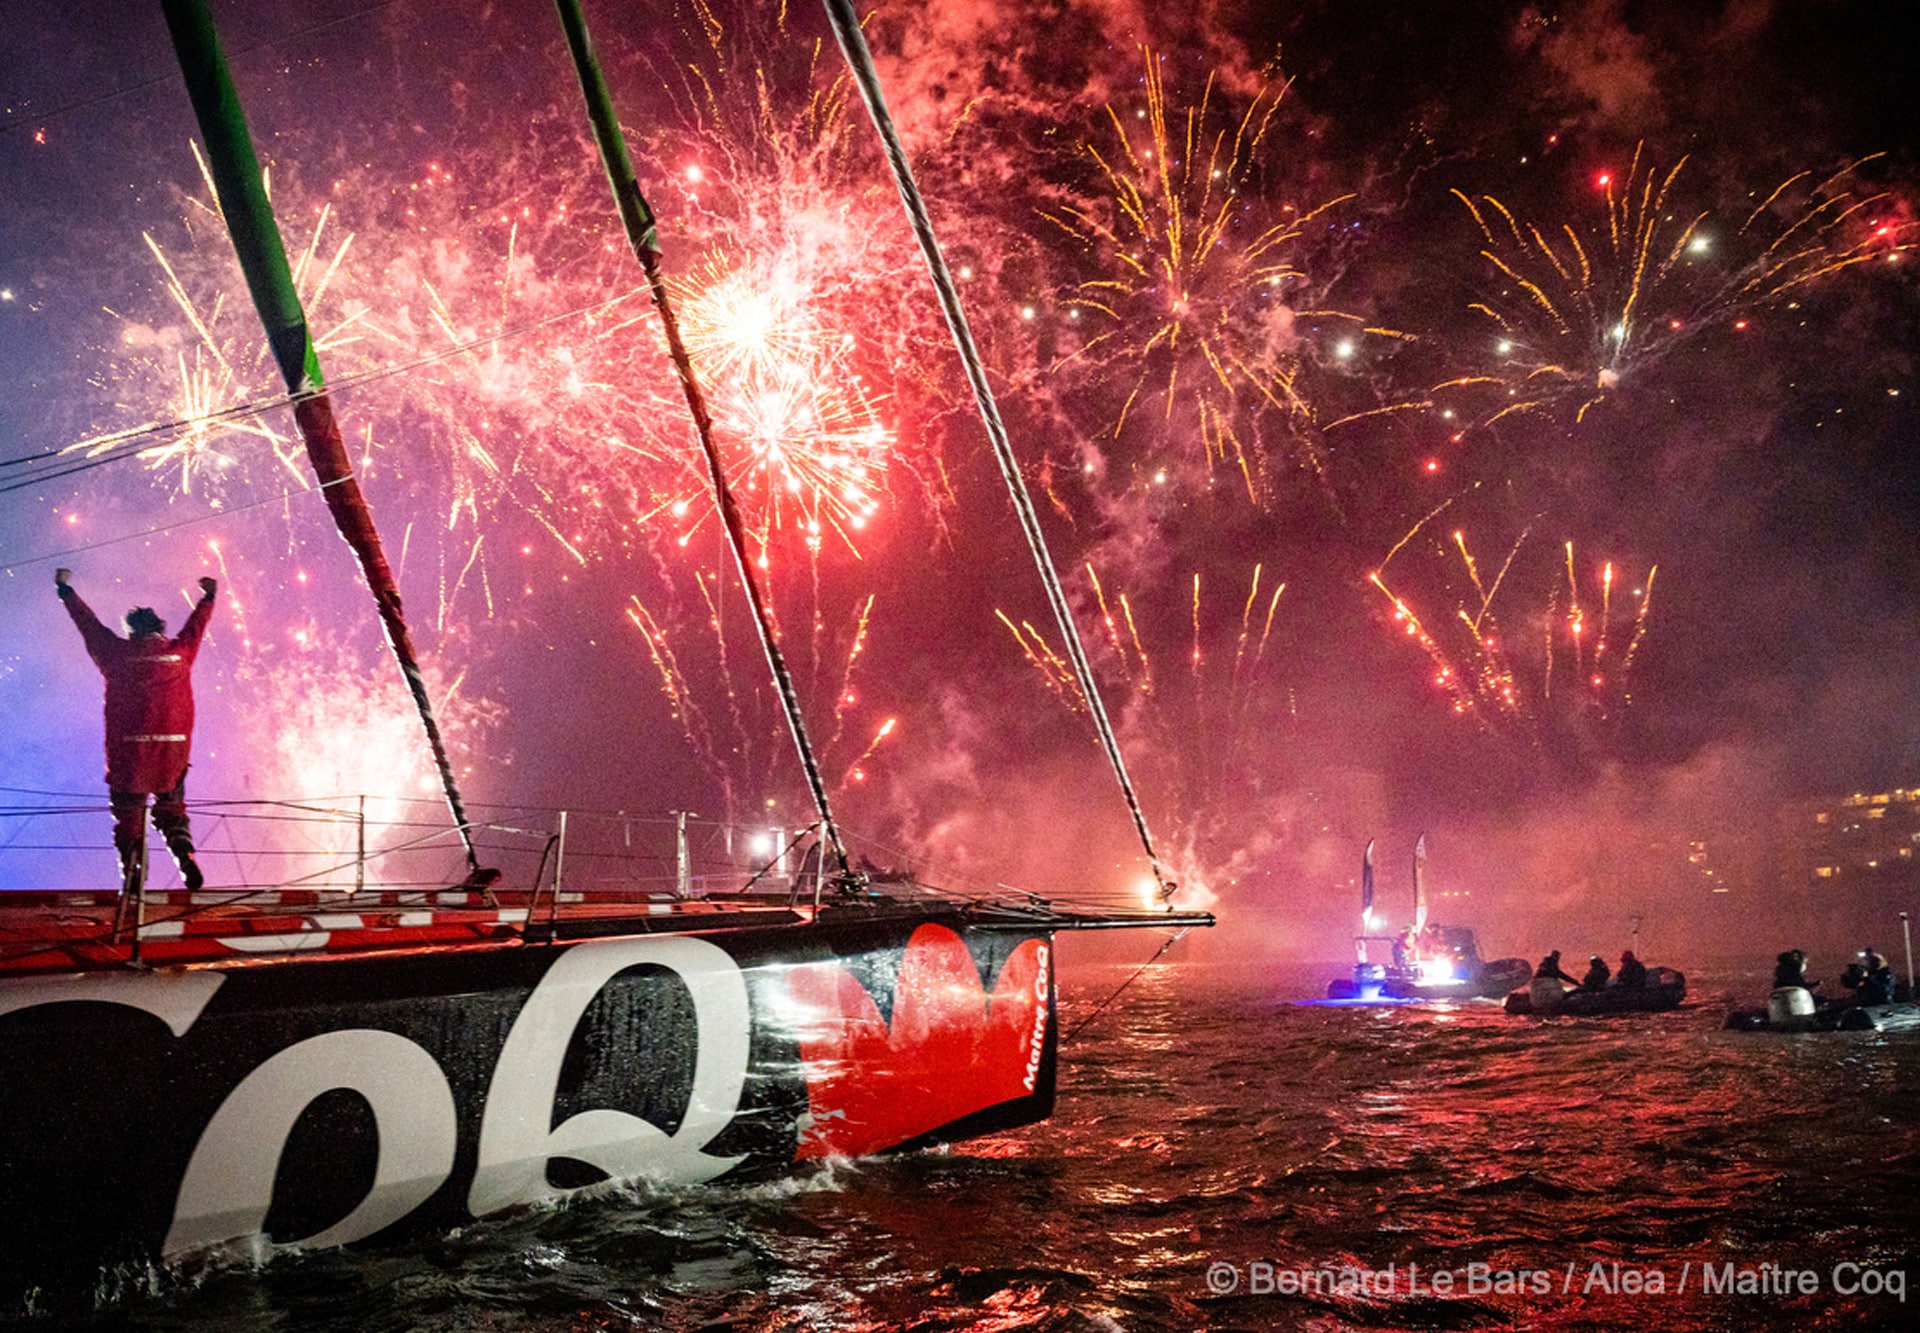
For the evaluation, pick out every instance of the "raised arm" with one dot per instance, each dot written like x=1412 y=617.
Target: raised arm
x=188 y=640
x=98 y=638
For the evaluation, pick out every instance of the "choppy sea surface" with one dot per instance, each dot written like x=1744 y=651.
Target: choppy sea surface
x=1225 y=1156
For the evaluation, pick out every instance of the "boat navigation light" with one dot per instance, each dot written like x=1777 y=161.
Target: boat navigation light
x=1433 y=970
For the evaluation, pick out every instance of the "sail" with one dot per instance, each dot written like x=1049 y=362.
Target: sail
x=1420 y=884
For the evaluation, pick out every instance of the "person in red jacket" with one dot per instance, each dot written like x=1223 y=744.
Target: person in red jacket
x=149 y=717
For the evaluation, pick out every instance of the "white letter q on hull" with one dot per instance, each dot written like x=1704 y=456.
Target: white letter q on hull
x=515 y=1141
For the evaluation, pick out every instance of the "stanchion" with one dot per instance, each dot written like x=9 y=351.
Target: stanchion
x=1906 y=938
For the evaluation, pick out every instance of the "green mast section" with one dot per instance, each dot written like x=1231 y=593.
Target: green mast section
x=263 y=259
x=243 y=193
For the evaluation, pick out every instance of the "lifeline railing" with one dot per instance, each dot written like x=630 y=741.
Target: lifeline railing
x=345 y=845
x=396 y=857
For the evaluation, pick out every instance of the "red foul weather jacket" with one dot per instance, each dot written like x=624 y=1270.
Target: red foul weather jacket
x=149 y=697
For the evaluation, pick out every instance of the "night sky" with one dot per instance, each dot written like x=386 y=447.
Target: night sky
x=1597 y=286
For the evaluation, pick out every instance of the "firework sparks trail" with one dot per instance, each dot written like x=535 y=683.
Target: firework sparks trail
x=1576 y=617
x=1139 y=649
x=1585 y=308
x=1194 y=659
x=1201 y=290
x=845 y=697
x=856 y=771
x=673 y=681
x=236 y=606
x=1246 y=626
x=1479 y=669
x=733 y=728
x=1133 y=662
x=1054 y=669
x=1446 y=675
x=1106 y=619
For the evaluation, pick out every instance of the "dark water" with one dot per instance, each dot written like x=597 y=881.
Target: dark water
x=1203 y=1131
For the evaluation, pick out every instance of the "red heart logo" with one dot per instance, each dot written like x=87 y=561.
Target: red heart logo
x=952 y=1050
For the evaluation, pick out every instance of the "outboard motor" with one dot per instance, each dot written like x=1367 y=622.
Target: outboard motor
x=1546 y=993
x=1790 y=1007
x=1368 y=978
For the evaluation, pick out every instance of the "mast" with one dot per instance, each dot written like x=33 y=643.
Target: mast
x=263 y=259
x=1420 y=884
x=638 y=220
x=1366 y=898
x=846 y=27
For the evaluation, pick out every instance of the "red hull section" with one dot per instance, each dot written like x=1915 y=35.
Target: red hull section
x=952 y=1048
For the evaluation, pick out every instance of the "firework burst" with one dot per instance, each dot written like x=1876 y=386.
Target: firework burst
x=479 y=352
x=805 y=445
x=806 y=315
x=1582 y=309
x=1203 y=290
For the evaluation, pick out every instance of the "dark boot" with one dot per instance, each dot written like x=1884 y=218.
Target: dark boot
x=190 y=875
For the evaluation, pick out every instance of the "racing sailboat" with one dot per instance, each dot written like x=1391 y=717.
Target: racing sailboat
x=192 y=1074
x=1426 y=961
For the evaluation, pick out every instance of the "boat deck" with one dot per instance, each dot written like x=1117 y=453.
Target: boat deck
x=77 y=931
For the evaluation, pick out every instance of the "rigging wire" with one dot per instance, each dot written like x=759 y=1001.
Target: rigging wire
x=163 y=528
x=130 y=443
x=138 y=440
x=68 y=108
x=1170 y=941
x=846 y=27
